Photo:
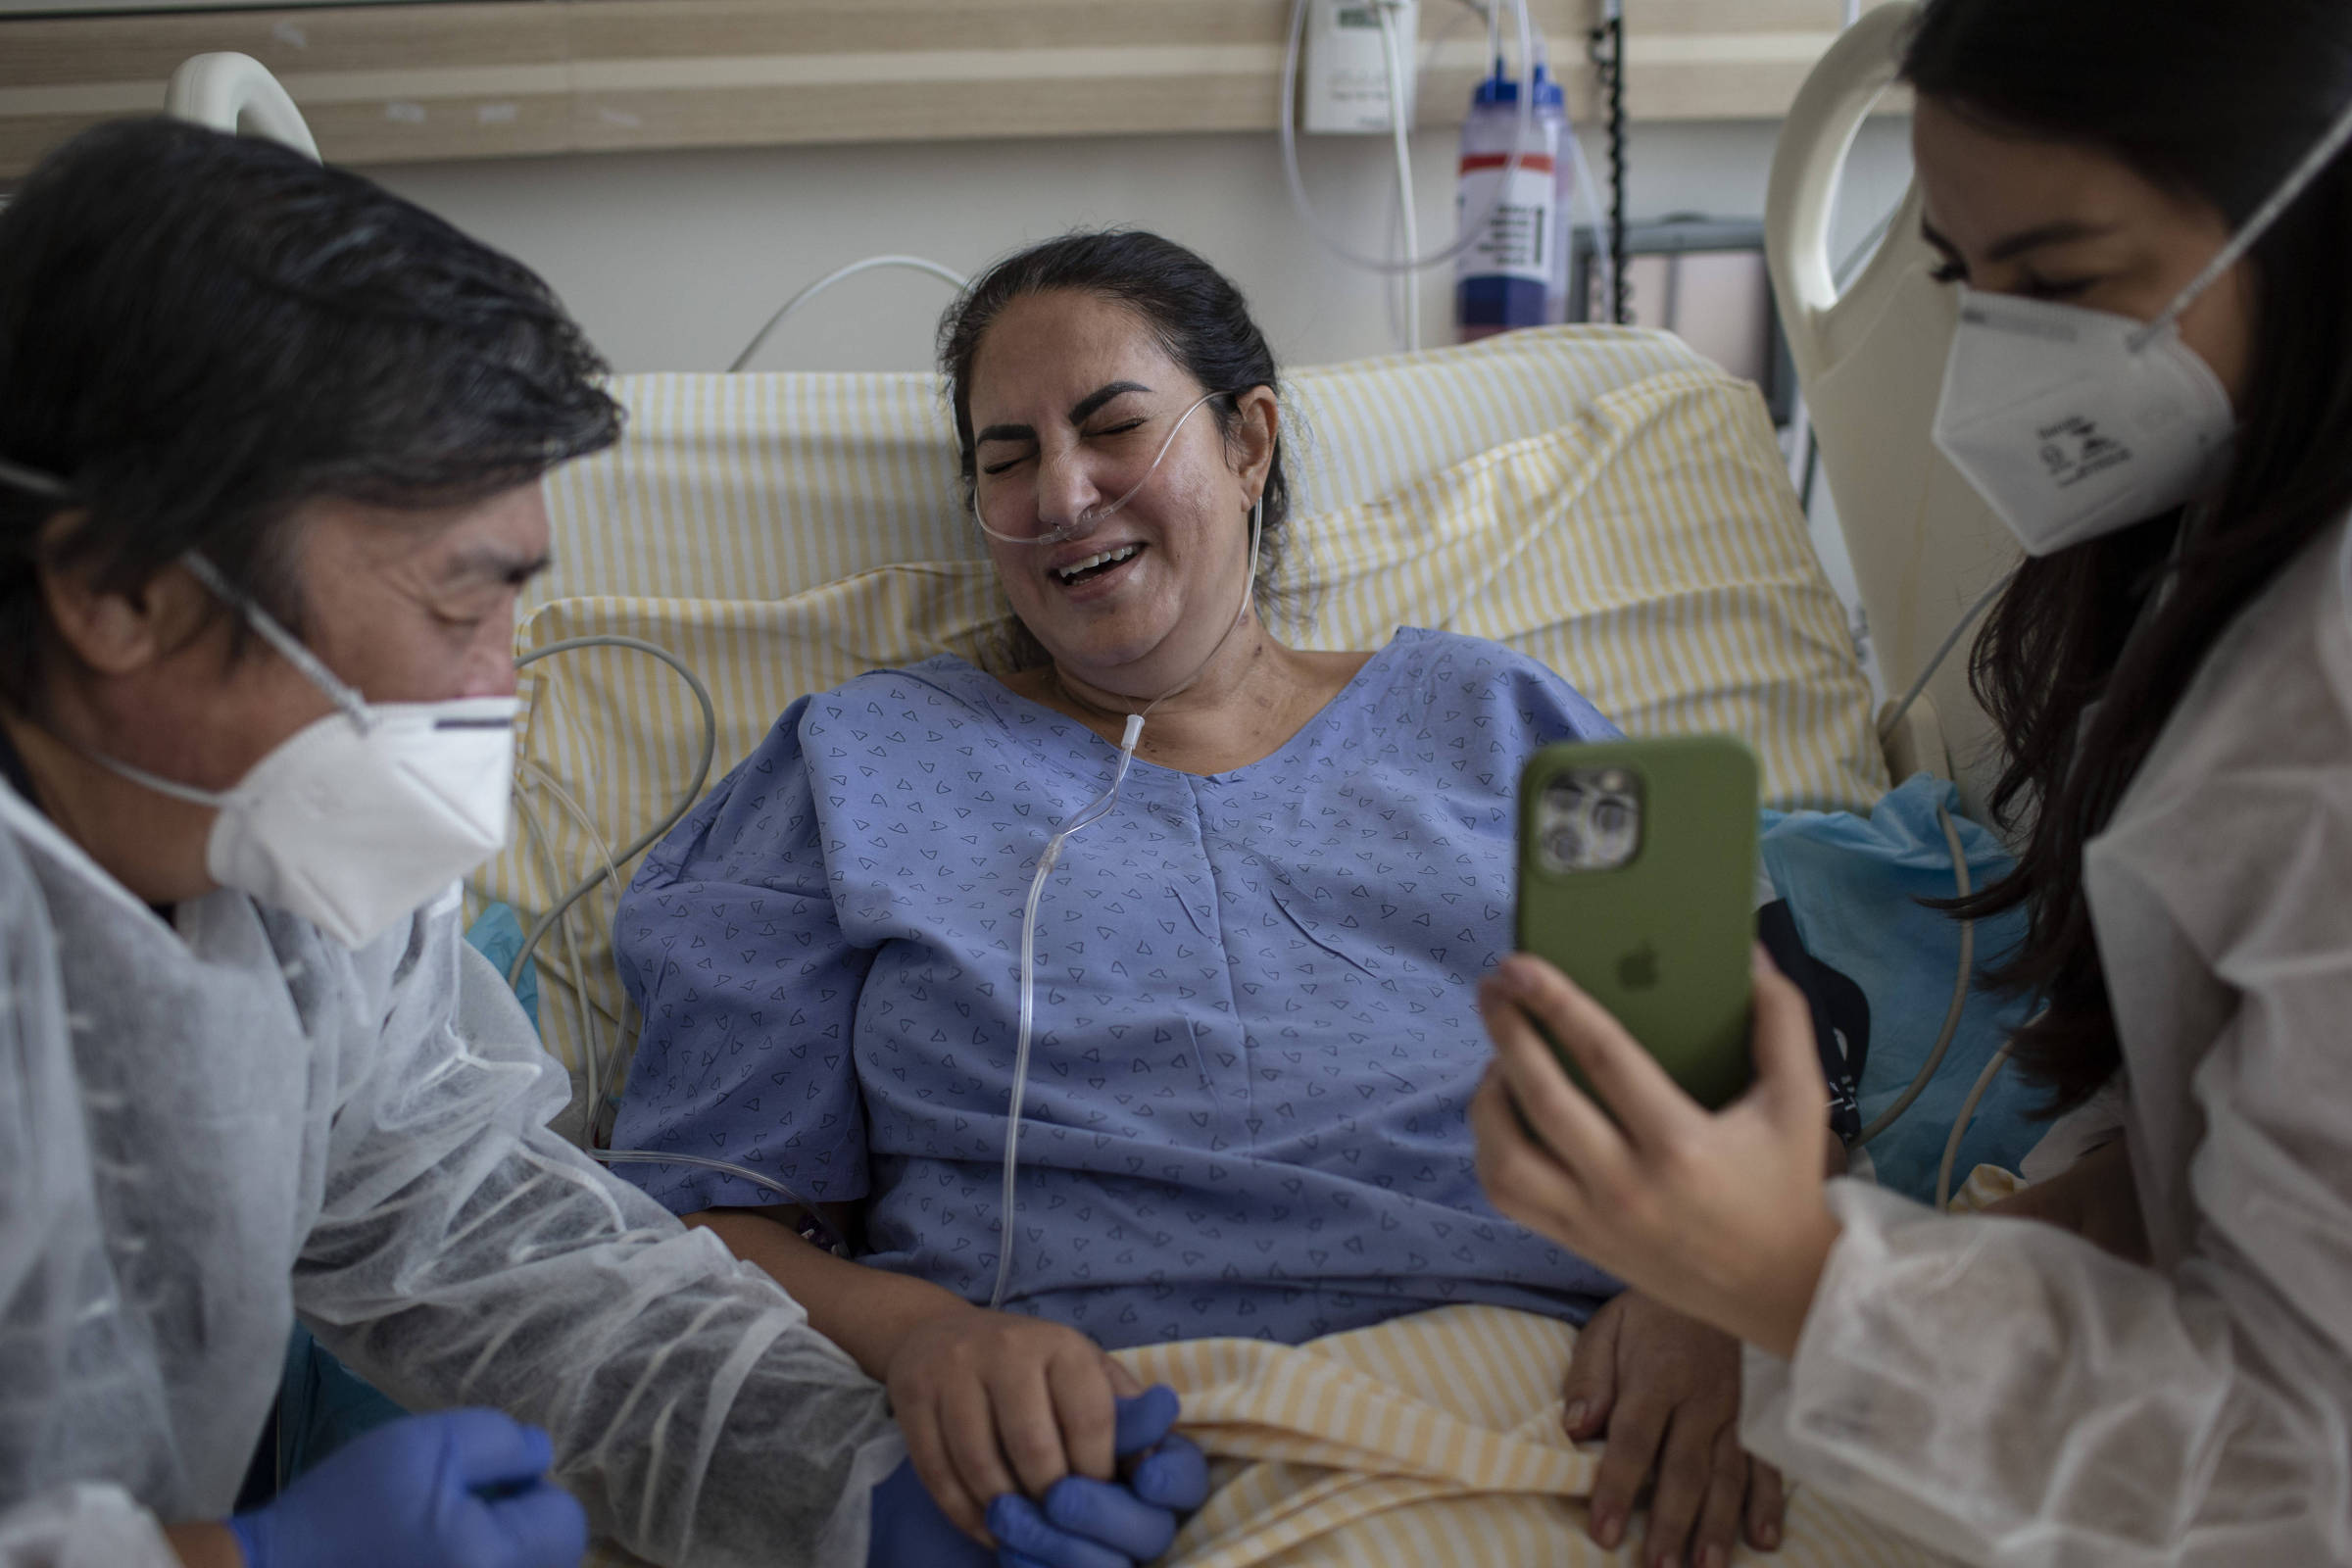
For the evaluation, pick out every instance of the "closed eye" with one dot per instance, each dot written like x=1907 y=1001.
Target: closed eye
x=2043 y=288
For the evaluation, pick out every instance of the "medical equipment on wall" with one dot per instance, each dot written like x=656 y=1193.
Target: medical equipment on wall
x=1608 y=59
x=1476 y=210
x=1396 y=49
x=1515 y=270
x=1351 y=78
x=914 y=264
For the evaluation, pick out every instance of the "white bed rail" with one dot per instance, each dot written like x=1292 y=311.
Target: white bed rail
x=1871 y=363
x=229 y=91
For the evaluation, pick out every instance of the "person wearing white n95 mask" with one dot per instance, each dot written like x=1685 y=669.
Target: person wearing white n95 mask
x=2073 y=423
x=262 y=540
x=355 y=818
x=2145 y=1358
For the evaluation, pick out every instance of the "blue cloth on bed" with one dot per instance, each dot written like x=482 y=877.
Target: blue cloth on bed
x=1853 y=884
x=1256 y=1027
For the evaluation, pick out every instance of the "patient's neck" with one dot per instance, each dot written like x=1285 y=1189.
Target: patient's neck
x=1244 y=706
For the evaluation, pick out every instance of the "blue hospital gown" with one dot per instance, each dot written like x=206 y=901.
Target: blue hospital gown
x=1255 y=1031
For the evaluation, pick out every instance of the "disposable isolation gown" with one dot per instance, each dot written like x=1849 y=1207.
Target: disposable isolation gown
x=2009 y=1393
x=203 y=1133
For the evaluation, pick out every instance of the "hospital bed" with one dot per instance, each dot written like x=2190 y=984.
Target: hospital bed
x=1602 y=499
x=1870 y=360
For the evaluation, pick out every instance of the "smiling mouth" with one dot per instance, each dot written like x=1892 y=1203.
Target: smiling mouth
x=1097 y=565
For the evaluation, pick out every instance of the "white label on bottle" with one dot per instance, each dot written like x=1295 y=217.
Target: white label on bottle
x=1516 y=240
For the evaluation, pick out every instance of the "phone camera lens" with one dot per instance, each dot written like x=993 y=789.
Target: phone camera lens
x=1567 y=845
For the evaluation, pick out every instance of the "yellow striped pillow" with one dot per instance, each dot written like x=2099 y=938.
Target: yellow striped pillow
x=765 y=486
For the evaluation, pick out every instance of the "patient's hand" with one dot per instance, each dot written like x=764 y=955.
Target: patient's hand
x=1665 y=1390
x=991 y=1402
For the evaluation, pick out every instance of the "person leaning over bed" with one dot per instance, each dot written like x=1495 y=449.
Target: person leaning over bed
x=1255 y=1033
x=2147 y=1359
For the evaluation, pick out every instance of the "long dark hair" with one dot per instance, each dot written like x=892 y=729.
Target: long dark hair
x=199 y=333
x=2216 y=103
x=1198 y=317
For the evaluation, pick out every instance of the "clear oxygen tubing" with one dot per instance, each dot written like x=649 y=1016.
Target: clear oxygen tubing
x=608 y=869
x=1085 y=817
x=1964 y=974
x=645 y=839
x=1401 y=137
x=1965 y=970
x=918 y=264
x=1968 y=1113
x=2190 y=521
x=1943 y=651
x=1286 y=128
x=592 y=1098
x=594 y=1069
x=1089 y=519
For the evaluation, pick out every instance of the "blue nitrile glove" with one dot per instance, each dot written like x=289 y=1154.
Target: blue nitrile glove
x=910 y=1531
x=461 y=1488
x=1095 y=1524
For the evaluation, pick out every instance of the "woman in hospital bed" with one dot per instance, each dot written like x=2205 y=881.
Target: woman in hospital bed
x=1256 y=1023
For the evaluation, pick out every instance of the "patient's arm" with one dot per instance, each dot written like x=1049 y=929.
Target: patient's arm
x=991 y=1402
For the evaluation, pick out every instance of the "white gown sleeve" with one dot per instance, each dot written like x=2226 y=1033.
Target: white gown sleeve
x=83 y=1525
x=2008 y=1392
x=467 y=1255
x=2012 y=1395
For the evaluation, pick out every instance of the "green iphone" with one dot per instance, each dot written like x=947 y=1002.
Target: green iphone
x=1637 y=878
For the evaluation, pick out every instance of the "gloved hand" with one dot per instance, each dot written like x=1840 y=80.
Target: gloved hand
x=1095 y=1524
x=461 y=1488
x=909 y=1532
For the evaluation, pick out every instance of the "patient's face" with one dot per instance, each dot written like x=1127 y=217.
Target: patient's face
x=2014 y=214
x=1071 y=397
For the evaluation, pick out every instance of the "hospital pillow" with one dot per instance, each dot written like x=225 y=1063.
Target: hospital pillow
x=1647 y=547
x=761 y=486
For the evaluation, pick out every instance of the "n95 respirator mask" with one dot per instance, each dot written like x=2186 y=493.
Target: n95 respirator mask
x=2073 y=423
x=354 y=820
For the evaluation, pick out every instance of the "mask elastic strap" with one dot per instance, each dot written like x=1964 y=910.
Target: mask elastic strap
x=2252 y=230
x=157 y=782
x=32 y=481
x=353 y=705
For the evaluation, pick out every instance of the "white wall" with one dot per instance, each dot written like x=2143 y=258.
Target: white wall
x=673 y=260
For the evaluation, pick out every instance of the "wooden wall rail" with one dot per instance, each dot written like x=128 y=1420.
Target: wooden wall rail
x=407 y=83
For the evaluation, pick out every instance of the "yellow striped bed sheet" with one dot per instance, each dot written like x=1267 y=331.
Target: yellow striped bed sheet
x=1432 y=1440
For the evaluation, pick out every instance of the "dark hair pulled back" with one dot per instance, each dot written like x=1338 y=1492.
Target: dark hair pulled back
x=199 y=333
x=1199 y=318
x=2216 y=103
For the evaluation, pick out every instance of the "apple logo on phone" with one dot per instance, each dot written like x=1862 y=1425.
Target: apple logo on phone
x=1638 y=970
